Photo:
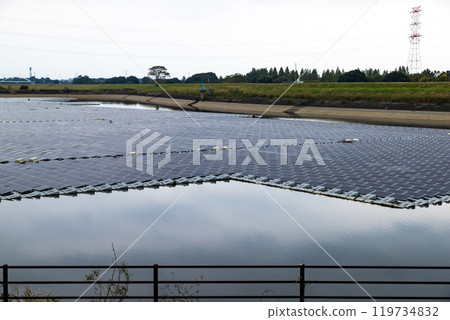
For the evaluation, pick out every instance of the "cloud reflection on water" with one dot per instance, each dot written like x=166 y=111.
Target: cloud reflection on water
x=219 y=223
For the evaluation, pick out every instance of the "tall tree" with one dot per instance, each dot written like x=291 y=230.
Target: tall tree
x=396 y=76
x=353 y=76
x=206 y=77
x=287 y=72
x=314 y=74
x=158 y=72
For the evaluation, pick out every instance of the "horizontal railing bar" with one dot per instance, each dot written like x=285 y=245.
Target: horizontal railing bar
x=159 y=267
x=161 y=282
x=79 y=267
x=151 y=297
x=376 y=282
x=228 y=281
x=236 y=282
x=298 y=266
x=232 y=297
x=378 y=297
x=227 y=267
x=81 y=282
x=77 y=297
x=379 y=267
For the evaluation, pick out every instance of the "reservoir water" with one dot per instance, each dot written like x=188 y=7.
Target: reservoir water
x=221 y=223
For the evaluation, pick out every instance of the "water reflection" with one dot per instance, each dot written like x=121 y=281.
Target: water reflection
x=223 y=223
x=126 y=105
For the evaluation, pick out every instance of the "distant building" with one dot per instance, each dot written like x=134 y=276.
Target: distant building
x=16 y=81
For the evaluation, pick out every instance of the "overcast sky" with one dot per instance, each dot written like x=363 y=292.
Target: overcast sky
x=59 y=40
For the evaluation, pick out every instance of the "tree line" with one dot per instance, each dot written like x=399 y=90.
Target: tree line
x=279 y=75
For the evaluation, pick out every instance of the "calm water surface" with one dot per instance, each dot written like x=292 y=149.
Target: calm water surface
x=223 y=223
x=220 y=223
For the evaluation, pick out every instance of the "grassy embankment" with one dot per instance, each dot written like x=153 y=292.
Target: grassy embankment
x=429 y=92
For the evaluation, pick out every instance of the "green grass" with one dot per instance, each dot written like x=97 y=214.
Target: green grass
x=425 y=92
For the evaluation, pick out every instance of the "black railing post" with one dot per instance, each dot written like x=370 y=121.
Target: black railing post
x=302 y=283
x=5 y=283
x=155 y=283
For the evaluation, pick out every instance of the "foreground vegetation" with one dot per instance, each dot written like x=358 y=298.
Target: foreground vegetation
x=411 y=92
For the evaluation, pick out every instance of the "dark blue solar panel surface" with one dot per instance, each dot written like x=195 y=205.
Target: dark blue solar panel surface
x=84 y=144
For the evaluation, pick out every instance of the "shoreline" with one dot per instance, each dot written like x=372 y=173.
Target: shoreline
x=429 y=119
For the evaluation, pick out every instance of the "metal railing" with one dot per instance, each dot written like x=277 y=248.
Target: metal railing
x=301 y=281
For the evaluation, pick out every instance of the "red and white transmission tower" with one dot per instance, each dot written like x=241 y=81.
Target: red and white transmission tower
x=414 y=60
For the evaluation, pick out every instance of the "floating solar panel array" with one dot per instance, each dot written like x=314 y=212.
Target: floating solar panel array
x=53 y=147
